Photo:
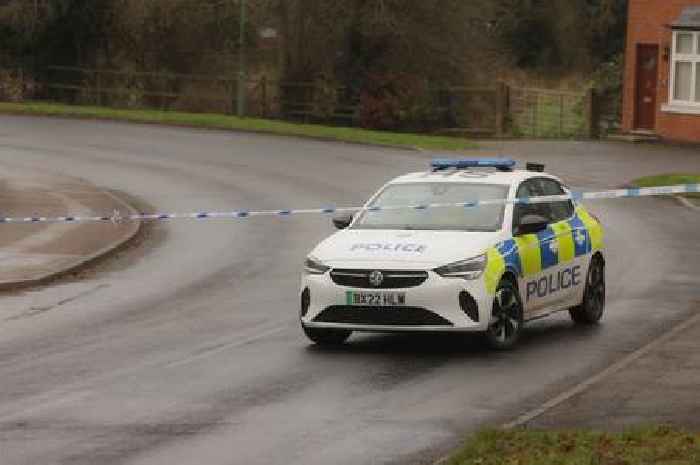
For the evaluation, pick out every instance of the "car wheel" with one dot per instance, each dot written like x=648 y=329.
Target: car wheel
x=591 y=309
x=506 y=317
x=327 y=337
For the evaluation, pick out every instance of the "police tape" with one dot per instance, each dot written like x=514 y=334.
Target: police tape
x=116 y=217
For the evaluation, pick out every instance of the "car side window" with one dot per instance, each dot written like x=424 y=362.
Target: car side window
x=528 y=189
x=556 y=211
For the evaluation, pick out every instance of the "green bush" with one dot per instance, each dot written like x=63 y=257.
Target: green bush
x=11 y=86
x=608 y=82
x=397 y=101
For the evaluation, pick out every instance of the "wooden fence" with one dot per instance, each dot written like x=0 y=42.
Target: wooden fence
x=316 y=102
x=478 y=111
x=550 y=113
x=139 y=89
x=497 y=110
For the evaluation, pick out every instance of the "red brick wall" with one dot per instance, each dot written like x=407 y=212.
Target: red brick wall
x=647 y=25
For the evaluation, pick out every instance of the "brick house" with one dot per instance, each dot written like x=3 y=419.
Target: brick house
x=662 y=69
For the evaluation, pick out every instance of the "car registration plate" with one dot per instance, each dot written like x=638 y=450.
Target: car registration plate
x=376 y=299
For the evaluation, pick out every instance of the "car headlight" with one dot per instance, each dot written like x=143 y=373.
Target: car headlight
x=465 y=269
x=313 y=266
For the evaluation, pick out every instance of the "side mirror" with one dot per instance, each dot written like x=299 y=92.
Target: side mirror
x=343 y=221
x=531 y=224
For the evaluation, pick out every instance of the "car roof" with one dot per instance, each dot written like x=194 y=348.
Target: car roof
x=476 y=176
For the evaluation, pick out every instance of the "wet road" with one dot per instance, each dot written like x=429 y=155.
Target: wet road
x=187 y=349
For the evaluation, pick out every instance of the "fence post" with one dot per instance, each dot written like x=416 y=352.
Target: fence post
x=591 y=115
x=98 y=78
x=501 y=108
x=263 y=95
x=21 y=83
x=561 y=115
x=535 y=115
x=164 y=90
x=233 y=95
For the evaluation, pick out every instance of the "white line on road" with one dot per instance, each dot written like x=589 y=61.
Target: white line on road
x=612 y=369
x=229 y=346
x=588 y=383
x=687 y=203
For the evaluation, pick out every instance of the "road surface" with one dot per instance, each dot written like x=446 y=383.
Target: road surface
x=187 y=349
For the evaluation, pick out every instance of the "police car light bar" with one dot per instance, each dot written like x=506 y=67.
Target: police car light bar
x=502 y=164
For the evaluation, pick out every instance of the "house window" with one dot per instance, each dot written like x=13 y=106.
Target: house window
x=685 y=69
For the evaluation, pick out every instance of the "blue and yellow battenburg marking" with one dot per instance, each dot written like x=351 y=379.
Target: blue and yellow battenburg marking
x=530 y=254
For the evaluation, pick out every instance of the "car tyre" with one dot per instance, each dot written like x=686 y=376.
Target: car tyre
x=591 y=309
x=327 y=337
x=506 y=317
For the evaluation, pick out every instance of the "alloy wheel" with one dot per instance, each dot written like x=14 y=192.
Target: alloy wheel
x=506 y=318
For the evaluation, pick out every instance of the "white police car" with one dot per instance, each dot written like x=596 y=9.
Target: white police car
x=426 y=254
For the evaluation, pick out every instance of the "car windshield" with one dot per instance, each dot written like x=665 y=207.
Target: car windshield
x=451 y=218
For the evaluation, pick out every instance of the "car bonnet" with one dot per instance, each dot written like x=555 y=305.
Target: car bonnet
x=402 y=249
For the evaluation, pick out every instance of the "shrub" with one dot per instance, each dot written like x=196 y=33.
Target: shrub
x=325 y=98
x=397 y=101
x=608 y=82
x=11 y=86
x=203 y=97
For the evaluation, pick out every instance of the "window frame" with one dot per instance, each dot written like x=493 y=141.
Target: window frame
x=694 y=60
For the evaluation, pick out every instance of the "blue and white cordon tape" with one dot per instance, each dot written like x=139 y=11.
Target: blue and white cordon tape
x=116 y=216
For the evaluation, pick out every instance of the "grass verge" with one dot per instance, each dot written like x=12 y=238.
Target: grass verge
x=218 y=121
x=671 y=180
x=642 y=446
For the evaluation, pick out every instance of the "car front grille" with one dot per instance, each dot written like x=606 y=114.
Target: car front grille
x=381 y=316
x=392 y=279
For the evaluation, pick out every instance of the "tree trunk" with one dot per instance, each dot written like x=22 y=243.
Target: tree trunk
x=285 y=37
